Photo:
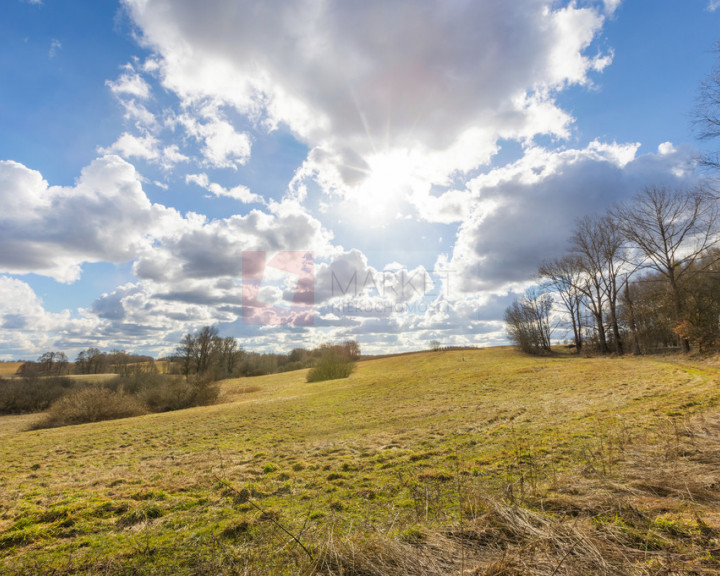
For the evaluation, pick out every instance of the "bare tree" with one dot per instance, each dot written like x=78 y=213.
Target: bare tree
x=671 y=229
x=53 y=363
x=707 y=114
x=597 y=244
x=186 y=353
x=528 y=321
x=229 y=353
x=206 y=343
x=564 y=276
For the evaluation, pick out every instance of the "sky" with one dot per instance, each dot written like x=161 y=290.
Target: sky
x=294 y=173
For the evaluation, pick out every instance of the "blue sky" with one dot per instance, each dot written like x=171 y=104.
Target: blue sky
x=147 y=144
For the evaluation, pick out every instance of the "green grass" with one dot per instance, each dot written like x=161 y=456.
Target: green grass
x=389 y=451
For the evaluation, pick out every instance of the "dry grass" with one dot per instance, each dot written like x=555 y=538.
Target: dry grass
x=9 y=368
x=480 y=461
x=658 y=515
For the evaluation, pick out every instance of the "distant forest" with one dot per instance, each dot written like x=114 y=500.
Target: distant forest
x=203 y=353
x=642 y=277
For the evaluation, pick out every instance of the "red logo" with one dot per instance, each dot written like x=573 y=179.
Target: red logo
x=289 y=300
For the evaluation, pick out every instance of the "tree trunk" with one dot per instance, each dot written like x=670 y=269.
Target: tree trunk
x=576 y=333
x=677 y=301
x=578 y=336
x=633 y=325
x=616 y=330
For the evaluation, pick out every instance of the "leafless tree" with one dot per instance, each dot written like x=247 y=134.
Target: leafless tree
x=598 y=246
x=564 y=276
x=671 y=230
x=707 y=114
x=528 y=321
x=53 y=363
x=206 y=341
x=230 y=353
x=186 y=353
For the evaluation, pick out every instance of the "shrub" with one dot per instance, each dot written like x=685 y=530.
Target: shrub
x=91 y=404
x=32 y=394
x=331 y=366
x=164 y=393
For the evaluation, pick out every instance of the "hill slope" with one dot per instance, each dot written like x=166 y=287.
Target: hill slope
x=482 y=461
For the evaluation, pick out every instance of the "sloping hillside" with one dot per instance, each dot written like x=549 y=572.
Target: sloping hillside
x=472 y=461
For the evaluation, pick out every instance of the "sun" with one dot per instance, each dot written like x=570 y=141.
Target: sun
x=389 y=180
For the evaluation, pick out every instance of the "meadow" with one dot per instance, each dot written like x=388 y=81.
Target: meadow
x=9 y=369
x=483 y=462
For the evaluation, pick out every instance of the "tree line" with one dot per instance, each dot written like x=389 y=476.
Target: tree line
x=88 y=361
x=205 y=352
x=202 y=353
x=642 y=276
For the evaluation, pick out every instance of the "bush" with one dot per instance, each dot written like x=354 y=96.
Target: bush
x=167 y=395
x=331 y=366
x=92 y=404
x=174 y=393
x=32 y=394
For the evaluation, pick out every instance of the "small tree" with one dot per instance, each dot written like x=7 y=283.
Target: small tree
x=207 y=341
x=564 y=276
x=331 y=366
x=186 y=353
x=528 y=322
x=53 y=363
x=597 y=244
x=230 y=355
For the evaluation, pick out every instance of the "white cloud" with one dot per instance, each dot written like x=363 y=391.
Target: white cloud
x=222 y=146
x=611 y=6
x=171 y=155
x=202 y=249
x=146 y=147
x=26 y=326
x=130 y=84
x=666 y=148
x=441 y=83
x=524 y=213
x=52 y=230
x=55 y=46
x=131 y=146
x=241 y=193
x=713 y=5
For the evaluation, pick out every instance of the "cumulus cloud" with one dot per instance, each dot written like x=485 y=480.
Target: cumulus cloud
x=241 y=193
x=130 y=146
x=222 y=145
x=206 y=249
x=403 y=107
x=524 y=212
x=440 y=82
x=348 y=279
x=130 y=84
x=26 y=328
x=52 y=230
x=145 y=147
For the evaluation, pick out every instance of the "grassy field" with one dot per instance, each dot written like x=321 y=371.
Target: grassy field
x=482 y=462
x=9 y=368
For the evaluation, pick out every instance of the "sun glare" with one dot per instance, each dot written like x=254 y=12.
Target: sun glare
x=380 y=196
